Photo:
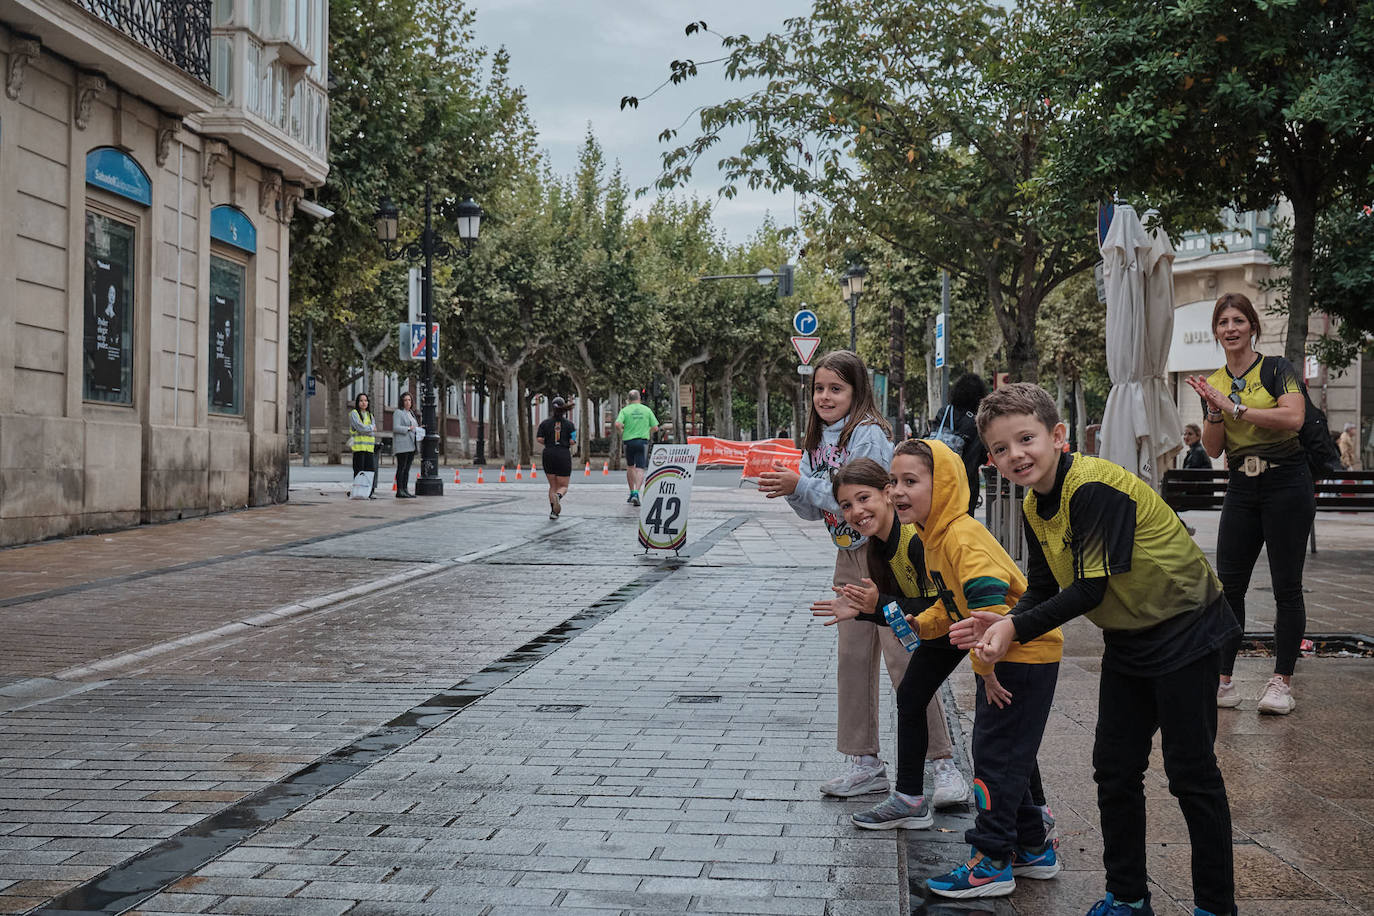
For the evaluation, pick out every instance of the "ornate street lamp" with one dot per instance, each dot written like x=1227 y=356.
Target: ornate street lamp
x=852 y=286
x=425 y=249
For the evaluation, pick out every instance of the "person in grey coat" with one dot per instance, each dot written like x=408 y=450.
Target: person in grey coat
x=404 y=426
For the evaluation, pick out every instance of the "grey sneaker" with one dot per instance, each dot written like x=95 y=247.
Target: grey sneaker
x=950 y=787
x=634 y=500
x=859 y=779
x=1277 y=699
x=895 y=811
x=1228 y=697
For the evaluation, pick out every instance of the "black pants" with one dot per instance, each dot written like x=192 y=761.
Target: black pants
x=403 y=460
x=932 y=662
x=1182 y=706
x=1005 y=742
x=1274 y=510
x=366 y=461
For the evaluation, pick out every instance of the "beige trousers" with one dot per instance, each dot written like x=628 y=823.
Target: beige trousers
x=861 y=645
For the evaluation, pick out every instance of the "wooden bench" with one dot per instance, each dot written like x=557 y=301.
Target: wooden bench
x=1352 y=491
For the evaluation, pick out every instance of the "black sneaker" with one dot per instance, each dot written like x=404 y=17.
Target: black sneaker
x=630 y=498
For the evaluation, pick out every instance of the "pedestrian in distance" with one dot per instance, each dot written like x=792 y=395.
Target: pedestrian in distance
x=1254 y=408
x=405 y=430
x=1349 y=446
x=636 y=422
x=963 y=569
x=844 y=425
x=1194 y=455
x=1132 y=569
x=557 y=434
x=363 y=441
x=957 y=427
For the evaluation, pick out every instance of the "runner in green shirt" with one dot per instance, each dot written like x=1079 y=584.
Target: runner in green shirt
x=636 y=423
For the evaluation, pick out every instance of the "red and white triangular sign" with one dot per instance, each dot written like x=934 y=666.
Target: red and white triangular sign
x=806 y=347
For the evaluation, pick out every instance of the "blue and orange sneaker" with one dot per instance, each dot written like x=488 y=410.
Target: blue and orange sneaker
x=1036 y=863
x=978 y=877
x=1110 y=906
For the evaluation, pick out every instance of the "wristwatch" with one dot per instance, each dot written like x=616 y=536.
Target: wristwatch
x=1238 y=410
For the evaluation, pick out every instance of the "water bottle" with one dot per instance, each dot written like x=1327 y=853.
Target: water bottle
x=900 y=628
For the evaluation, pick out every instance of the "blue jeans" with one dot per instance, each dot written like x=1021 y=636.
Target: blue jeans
x=1274 y=510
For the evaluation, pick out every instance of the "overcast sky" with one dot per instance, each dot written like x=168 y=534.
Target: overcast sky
x=577 y=58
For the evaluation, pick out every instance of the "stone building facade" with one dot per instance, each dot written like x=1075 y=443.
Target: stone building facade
x=151 y=158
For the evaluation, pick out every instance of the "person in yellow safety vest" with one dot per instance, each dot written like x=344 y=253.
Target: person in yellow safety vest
x=364 y=441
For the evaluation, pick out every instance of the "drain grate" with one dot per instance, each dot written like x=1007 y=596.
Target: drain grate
x=696 y=698
x=559 y=707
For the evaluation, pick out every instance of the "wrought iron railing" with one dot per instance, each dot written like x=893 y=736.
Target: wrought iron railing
x=177 y=30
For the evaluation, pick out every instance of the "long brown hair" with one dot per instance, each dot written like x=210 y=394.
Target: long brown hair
x=1241 y=303
x=850 y=368
x=865 y=472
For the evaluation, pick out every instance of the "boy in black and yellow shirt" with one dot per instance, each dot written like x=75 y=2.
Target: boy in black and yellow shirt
x=1103 y=544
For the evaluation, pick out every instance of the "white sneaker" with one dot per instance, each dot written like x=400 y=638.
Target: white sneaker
x=1228 y=697
x=860 y=779
x=1277 y=699
x=950 y=787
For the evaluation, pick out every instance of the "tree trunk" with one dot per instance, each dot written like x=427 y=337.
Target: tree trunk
x=1081 y=408
x=1062 y=390
x=897 y=361
x=1300 y=280
x=526 y=438
x=761 y=408
x=463 y=450
x=584 y=424
x=617 y=453
x=675 y=380
x=510 y=438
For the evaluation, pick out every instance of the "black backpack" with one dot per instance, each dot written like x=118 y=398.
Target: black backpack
x=1323 y=460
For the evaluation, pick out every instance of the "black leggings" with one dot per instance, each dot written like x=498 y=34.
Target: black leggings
x=1275 y=511
x=933 y=661
x=403 y=460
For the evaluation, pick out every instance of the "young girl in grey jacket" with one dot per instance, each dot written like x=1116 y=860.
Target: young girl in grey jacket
x=845 y=424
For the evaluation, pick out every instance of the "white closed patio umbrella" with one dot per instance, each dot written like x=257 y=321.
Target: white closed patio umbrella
x=1141 y=427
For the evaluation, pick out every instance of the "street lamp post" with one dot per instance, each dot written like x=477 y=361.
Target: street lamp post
x=852 y=285
x=481 y=457
x=425 y=249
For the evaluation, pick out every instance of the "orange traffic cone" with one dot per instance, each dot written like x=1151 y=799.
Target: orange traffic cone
x=503 y=474
x=534 y=475
x=587 y=472
x=456 y=478
x=605 y=469
x=393 y=486
x=479 y=476
x=517 y=473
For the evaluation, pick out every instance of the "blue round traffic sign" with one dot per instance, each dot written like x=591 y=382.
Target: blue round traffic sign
x=806 y=322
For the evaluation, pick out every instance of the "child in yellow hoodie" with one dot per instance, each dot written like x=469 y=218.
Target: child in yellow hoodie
x=971 y=571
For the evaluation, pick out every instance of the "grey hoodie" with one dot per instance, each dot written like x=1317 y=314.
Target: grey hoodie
x=813 y=498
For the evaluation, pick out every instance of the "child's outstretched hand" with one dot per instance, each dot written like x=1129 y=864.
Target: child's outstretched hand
x=781 y=481
x=997 y=695
x=837 y=608
x=996 y=641
x=863 y=594
x=967 y=632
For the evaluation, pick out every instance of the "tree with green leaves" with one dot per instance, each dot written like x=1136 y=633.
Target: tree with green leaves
x=905 y=119
x=1203 y=104
x=414 y=100
x=1342 y=280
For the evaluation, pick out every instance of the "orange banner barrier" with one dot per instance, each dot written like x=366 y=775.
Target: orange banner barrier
x=730 y=453
x=761 y=458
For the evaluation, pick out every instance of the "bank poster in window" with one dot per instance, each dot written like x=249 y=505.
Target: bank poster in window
x=106 y=318
x=223 y=312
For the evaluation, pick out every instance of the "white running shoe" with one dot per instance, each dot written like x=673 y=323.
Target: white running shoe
x=950 y=787
x=860 y=779
x=1228 y=697
x=1277 y=699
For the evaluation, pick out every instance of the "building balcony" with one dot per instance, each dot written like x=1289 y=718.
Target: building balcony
x=159 y=49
